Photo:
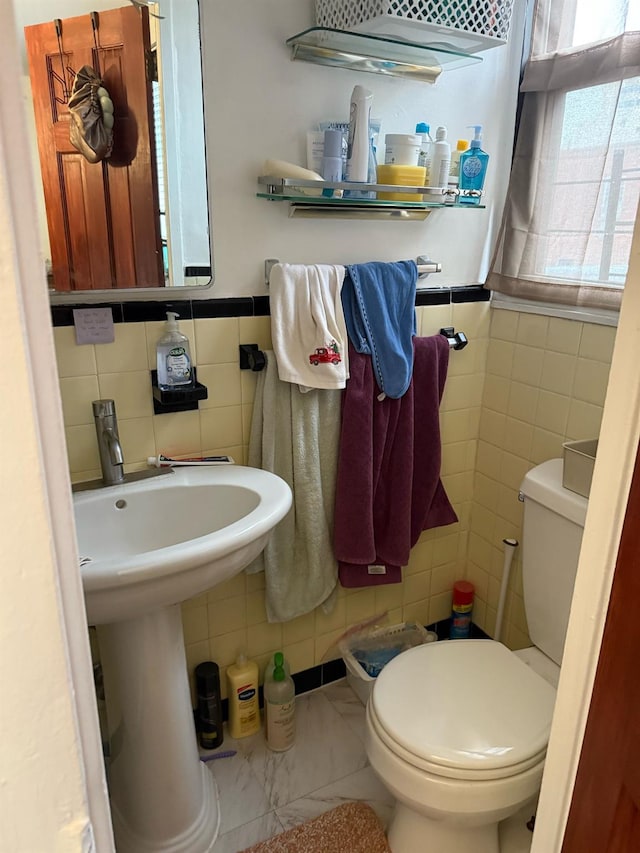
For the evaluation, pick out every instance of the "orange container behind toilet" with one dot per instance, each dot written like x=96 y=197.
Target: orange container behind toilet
x=461 y=610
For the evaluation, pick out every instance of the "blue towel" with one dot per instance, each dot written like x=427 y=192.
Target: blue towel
x=379 y=300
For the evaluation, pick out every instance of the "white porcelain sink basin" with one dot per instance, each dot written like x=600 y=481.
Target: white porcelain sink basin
x=160 y=541
x=148 y=545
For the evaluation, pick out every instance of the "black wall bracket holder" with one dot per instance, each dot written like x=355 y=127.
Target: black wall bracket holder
x=456 y=340
x=177 y=399
x=252 y=357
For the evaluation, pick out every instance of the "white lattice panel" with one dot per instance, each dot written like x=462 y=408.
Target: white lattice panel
x=465 y=24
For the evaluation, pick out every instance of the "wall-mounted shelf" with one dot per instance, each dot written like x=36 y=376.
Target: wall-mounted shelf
x=314 y=199
x=376 y=54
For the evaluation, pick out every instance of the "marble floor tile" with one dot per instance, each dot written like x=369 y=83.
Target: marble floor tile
x=362 y=786
x=250 y=833
x=326 y=749
x=242 y=797
x=347 y=704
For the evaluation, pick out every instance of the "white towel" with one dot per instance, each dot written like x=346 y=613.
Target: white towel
x=308 y=329
x=296 y=436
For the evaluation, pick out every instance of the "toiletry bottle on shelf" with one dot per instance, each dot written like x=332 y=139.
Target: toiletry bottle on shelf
x=209 y=711
x=332 y=157
x=454 y=169
x=280 y=705
x=359 y=139
x=440 y=160
x=473 y=169
x=426 y=148
x=173 y=357
x=242 y=693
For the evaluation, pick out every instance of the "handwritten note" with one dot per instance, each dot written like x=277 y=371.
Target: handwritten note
x=94 y=325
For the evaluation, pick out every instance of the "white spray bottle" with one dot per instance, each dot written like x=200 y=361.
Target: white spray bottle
x=359 y=139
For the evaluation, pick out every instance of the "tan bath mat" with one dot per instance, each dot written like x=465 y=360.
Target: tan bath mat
x=352 y=827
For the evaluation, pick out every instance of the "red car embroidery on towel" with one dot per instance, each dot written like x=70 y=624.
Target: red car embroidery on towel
x=325 y=355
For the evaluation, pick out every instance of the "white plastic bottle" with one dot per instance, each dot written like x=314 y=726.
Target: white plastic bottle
x=280 y=706
x=426 y=148
x=441 y=160
x=173 y=357
x=359 y=139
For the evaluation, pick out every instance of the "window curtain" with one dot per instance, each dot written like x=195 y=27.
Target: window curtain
x=573 y=189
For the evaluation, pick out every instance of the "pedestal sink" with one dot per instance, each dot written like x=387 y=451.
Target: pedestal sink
x=146 y=546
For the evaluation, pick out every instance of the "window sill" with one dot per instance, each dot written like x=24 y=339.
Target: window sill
x=598 y=316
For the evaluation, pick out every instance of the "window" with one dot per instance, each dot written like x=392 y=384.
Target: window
x=575 y=182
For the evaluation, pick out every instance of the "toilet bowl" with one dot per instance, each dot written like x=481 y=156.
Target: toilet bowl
x=458 y=732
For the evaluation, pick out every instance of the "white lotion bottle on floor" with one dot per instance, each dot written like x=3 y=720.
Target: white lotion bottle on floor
x=280 y=708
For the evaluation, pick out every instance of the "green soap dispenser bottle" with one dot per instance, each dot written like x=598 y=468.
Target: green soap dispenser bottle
x=473 y=169
x=280 y=707
x=173 y=357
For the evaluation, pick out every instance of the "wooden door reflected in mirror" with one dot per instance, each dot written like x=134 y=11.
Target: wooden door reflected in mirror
x=138 y=219
x=103 y=218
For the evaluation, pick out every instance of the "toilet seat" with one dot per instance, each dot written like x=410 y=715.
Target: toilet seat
x=463 y=709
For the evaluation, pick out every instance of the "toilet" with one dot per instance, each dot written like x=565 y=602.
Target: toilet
x=458 y=730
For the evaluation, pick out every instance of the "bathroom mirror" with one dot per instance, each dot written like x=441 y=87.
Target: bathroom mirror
x=139 y=220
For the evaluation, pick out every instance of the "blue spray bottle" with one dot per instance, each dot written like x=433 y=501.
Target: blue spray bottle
x=473 y=168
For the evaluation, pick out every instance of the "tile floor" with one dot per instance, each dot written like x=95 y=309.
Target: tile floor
x=263 y=793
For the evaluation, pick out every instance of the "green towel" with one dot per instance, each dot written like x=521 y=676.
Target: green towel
x=295 y=436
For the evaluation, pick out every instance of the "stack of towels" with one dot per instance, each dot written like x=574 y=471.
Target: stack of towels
x=363 y=463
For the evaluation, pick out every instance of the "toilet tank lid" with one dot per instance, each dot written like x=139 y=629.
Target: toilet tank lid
x=543 y=484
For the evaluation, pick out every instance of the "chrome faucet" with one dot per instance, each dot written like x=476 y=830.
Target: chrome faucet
x=111 y=458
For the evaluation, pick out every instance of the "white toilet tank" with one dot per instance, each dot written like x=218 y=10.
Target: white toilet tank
x=551 y=538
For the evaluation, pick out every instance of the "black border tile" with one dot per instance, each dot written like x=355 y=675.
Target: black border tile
x=62 y=315
x=433 y=297
x=308 y=679
x=475 y=293
x=148 y=311
x=236 y=306
x=261 y=306
x=333 y=670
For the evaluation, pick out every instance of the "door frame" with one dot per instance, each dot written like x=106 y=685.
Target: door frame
x=613 y=472
x=83 y=821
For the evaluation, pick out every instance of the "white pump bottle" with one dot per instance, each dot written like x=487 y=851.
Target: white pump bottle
x=440 y=160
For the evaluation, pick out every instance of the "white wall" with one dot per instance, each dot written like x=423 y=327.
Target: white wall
x=260 y=105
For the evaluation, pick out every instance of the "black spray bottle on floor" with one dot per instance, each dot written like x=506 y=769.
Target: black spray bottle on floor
x=209 y=711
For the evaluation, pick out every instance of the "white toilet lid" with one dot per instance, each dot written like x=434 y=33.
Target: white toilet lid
x=466 y=704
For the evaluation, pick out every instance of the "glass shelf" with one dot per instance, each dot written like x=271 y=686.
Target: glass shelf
x=314 y=203
x=376 y=54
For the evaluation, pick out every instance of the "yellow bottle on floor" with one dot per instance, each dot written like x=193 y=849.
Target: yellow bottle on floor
x=242 y=692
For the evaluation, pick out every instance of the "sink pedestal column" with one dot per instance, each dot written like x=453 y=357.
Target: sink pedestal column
x=163 y=798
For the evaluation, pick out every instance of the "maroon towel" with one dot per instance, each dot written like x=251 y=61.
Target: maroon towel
x=388 y=489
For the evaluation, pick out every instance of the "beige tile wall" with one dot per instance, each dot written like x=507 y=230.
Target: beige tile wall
x=220 y=623
x=545 y=383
